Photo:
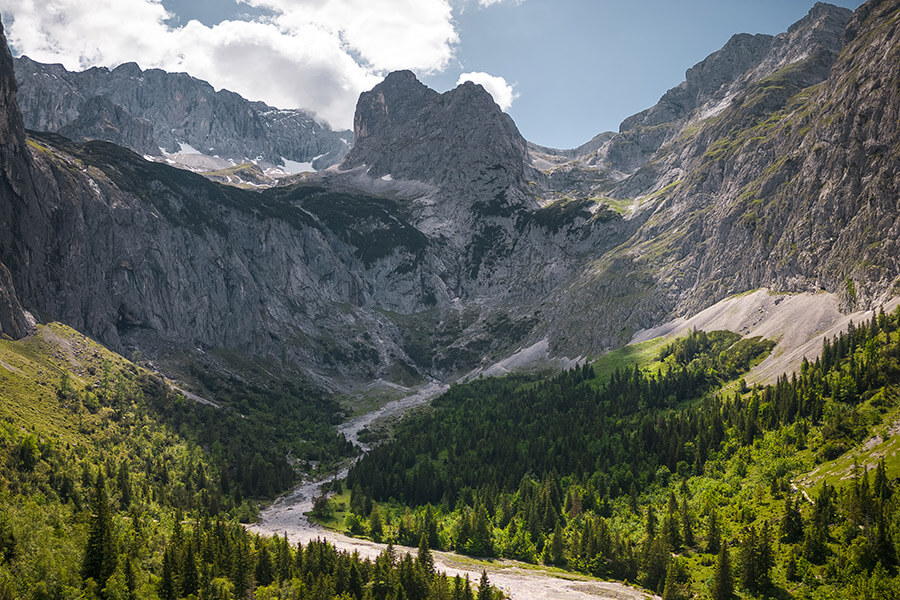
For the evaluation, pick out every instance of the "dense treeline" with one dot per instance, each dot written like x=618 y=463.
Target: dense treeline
x=657 y=476
x=101 y=463
x=494 y=432
x=259 y=430
x=252 y=435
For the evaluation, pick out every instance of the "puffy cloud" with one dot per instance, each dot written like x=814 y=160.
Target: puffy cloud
x=386 y=34
x=314 y=54
x=497 y=87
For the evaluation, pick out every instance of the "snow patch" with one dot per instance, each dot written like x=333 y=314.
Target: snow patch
x=292 y=167
x=187 y=149
x=387 y=177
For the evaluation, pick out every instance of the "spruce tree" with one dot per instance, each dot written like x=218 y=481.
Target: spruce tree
x=484 y=587
x=723 y=579
x=190 y=577
x=748 y=561
x=100 y=554
x=557 y=547
x=791 y=528
x=713 y=535
x=167 y=581
x=676 y=578
x=426 y=560
x=264 y=571
x=687 y=524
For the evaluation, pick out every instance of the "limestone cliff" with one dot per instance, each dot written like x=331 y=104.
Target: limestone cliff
x=181 y=109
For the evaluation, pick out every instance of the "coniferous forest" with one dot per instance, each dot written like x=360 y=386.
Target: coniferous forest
x=679 y=476
x=673 y=473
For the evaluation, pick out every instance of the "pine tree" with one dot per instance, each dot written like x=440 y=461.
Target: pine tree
x=723 y=579
x=671 y=527
x=124 y=484
x=190 y=577
x=655 y=563
x=557 y=547
x=264 y=571
x=283 y=566
x=713 y=535
x=676 y=579
x=748 y=561
x=100 y=554
x=791 y=528
x=426 y=560
x=131 y=579
x=167 y=581
x=467 y=590
x=687 y=524
x=375 y=526
x=765 y=557
x=484 y=587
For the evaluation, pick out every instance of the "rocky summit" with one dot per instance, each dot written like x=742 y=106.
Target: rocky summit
x=182 y=111
x=443 y=241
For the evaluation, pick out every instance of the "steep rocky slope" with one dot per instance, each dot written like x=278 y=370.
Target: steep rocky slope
x=340 y=280
x=708 y=89
x=438 y=246
x=14 y=181
x=100 y=119
x=792 y=185
x=182 y=110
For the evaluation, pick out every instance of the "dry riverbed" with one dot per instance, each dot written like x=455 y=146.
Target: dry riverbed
x=520 y=581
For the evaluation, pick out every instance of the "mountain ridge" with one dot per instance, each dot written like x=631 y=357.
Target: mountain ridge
x=183 y=110
x=438 y=246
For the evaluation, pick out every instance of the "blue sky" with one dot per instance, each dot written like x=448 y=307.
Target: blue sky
x=565 y=70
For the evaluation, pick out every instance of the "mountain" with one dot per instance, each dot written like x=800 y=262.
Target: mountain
x=708 y=89
x=100 y=119
x=184 y=112
x=444 y=242
x=789 y=185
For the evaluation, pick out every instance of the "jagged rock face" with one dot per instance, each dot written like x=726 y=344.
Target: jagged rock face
x=707 y=90
x=793 y=186
x=14 y=183
x=100 y=119
x=806 y=194
x=477 y=166
x=182 y=109
x=139 y=251
x=12 y=317
x=408 y=131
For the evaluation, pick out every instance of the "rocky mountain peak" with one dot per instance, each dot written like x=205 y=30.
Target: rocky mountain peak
x=183 y=110
x=129 y=69
x=389 y=104
x=409 y=131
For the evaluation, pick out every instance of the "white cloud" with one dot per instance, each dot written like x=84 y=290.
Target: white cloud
x=497 y=87
x=386 y=34
x=486 y=3
x=313 y=54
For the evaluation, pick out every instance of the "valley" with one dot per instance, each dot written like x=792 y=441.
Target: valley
x=287 y=515
x=244 y=355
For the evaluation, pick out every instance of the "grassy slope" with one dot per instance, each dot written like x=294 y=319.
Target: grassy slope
x=30 y=373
